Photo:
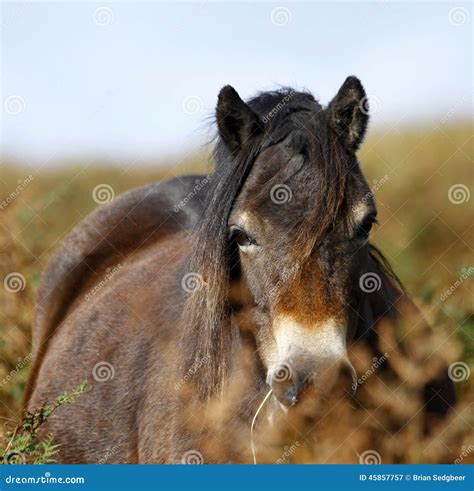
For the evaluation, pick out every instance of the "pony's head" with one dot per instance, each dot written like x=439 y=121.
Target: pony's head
x=283 y=243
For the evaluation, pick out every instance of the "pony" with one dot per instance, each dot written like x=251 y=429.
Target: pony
x=186 y=301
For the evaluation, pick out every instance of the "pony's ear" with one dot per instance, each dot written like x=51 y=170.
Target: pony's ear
x=235 y=120
x=348 y=113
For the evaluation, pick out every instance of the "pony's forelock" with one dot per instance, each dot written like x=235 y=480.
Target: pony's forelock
x=206 y=315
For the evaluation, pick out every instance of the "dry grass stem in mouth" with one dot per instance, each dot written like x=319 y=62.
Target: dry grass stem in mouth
x=252 y=446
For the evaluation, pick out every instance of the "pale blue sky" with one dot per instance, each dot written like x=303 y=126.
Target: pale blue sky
x=129 y=89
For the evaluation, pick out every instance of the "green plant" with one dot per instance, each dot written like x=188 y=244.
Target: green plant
x=23 y=446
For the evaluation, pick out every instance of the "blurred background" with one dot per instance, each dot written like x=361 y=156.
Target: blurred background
x=119 y=94
x=132 y=81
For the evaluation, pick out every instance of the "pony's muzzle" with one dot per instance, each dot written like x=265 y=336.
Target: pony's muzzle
x=288 y=383
x=311 y=359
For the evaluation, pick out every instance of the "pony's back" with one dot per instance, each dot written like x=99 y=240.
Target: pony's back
x=102 y=240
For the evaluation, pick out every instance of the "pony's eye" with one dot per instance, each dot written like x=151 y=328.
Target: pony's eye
x=242 y=238
x=363 y=230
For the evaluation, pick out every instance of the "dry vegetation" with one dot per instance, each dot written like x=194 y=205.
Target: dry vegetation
x=427 y=238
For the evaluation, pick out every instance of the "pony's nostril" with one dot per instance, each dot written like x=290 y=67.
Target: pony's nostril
x=282 y=373
x=285 y=393
x=293 y=400
x=283 y=385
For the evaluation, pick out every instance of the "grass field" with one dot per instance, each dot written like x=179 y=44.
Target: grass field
x=421 y=179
